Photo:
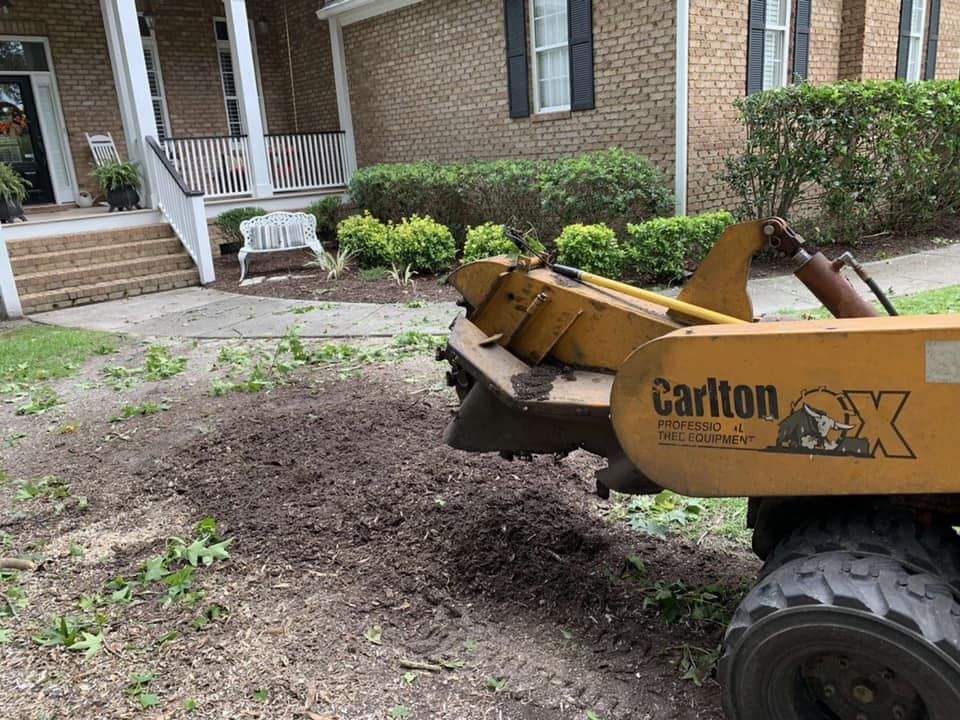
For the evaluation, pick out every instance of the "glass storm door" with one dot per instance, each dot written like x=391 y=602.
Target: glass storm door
x=21 y=144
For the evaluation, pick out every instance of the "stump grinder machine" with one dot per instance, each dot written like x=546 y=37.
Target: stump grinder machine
x=839 y=431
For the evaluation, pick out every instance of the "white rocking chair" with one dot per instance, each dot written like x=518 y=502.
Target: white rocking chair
x=103 y=149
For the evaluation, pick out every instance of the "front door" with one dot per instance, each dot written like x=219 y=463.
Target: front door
x=21 y=144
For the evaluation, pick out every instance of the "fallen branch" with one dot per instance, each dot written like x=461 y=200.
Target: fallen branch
x=16 y=564
x=414 y=665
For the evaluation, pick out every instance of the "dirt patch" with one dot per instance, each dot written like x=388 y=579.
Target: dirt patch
x=286 y=277
x=537 y=382
x=347 y=513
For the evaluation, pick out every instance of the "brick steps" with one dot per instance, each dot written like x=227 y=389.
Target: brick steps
x=58 y=272
x=32 y=263
x=110 y=290
x=78 y=241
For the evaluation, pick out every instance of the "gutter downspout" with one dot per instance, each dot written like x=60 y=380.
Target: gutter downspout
x=682 y=106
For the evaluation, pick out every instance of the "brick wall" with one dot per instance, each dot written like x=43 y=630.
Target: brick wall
x=429 y=82
x=314 y=105
x=718 y=67
x=851 y=40
x=882 y=33
x=948 y=48
x=82 y=67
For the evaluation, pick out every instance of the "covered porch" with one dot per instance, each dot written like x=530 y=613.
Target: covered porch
x=239 y=94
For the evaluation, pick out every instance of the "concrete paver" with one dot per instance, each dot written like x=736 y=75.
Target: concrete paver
x=201 y=313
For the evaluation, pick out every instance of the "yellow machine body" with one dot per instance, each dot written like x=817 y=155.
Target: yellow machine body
x=679 y=399
x=830 y=407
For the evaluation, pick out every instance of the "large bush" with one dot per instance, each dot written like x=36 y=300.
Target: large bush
x=593 y=248
x=663 y=248
x=229 y=222
x=489 y=240
x=396 y=191
x=422 y=243
x=612 y=187
x=853 y=158
x=365 y=237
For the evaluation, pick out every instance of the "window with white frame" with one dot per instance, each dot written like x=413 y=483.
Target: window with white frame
x=228 y=79
x=154 y=78
x=775 y=44
x=550 y=40
x=915 y=53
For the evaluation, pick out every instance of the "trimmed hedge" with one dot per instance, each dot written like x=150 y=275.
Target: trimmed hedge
x=664 y=248
x=851 y=158
x=593 y=248
x=421 y=243
x=326 y=212
x=365 y=237
x=612 y=187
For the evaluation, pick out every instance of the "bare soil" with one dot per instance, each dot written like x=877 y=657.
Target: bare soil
x=286 y=277
x=347 y=512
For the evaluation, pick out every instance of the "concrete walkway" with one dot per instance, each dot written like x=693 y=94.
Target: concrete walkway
x=200 y=313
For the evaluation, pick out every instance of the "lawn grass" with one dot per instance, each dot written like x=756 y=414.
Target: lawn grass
x=942 y=301
x=39 y=352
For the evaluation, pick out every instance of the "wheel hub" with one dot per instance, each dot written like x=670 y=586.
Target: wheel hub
x=855 y=687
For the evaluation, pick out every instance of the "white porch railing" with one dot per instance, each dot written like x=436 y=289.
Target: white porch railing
x=217 y=166
x=306 y=161
x=220 y=166
x=9 y=297
x=183 y=209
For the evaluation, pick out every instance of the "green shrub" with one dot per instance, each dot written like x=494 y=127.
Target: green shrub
x=421 y=243
x=486 y=241
x=851 y=158
x=396 y=191
x=505 y=192
x=367 y=238
x=613 y=187
x=661 y=249
x=229 y=222
x=593 y=248
x=326 y=212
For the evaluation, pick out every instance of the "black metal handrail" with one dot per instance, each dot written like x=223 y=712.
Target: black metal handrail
x=174 y=173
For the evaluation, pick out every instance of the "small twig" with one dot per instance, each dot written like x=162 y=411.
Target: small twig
x=16 y=564
x=414 y=665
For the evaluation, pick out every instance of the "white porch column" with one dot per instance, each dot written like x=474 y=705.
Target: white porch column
x=343 y=94
x=133 y=89
x=245 y=77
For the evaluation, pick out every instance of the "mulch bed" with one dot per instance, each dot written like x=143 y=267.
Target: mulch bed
x=348 y=512
x=292 y=280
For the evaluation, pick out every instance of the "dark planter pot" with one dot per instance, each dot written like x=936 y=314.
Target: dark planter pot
x=124 y=197
x=10 y=210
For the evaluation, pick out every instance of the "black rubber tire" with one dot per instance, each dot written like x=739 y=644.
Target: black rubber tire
x=836 y=603
x=894 y=534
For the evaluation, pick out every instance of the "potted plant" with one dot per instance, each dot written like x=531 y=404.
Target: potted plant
x=13 y=191
x=120 y=181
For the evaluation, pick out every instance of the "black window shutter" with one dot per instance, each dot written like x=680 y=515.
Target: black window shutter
x=580 y=28
x=801 y=41
x=518 y=83
x=903 y=50
x=755 y=45
x=933 y=35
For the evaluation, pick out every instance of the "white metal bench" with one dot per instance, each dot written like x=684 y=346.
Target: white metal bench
x=277 y=231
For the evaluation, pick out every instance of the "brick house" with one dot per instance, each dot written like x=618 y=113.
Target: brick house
x=273 y=102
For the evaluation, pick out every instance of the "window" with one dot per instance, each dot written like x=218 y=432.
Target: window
x=157 y=94
x=231 y=98
x=775 y=44
x=551 y=55
x=22 y=56
x=915 y=35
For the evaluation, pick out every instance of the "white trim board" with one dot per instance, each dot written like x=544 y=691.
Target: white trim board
x=39 y=227
x=292 y=201
x=351 y=11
